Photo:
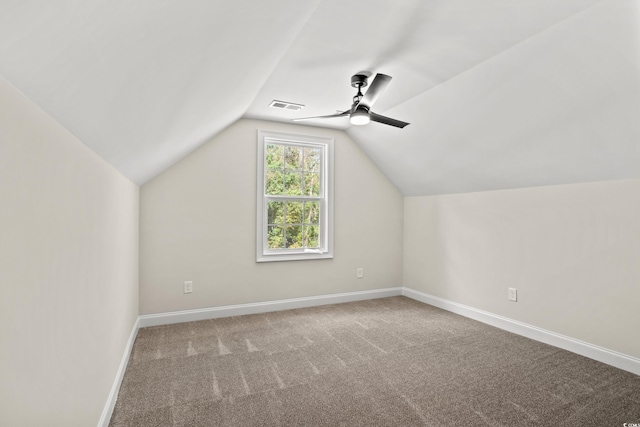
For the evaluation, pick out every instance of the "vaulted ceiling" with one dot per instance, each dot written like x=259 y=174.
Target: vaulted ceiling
x=499 y=94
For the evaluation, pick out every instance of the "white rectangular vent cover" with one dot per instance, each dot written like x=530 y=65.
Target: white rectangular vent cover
x=286 y=105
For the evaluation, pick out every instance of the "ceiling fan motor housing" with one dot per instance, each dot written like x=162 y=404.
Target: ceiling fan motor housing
x=358 y=80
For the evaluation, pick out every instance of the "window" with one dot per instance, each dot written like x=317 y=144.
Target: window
x=295 y=197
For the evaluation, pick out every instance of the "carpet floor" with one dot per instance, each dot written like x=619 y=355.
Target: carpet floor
x=384 y=362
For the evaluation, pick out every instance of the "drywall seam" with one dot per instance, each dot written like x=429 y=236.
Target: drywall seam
x=601 y=354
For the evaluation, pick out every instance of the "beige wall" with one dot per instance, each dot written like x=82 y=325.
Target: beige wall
x=197 y=222
x=68 y=270
x=572 y=252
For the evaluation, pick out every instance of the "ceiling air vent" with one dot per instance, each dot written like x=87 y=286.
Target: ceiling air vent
x=283 y=105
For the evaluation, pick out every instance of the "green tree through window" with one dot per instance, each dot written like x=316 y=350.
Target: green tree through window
x=292 y=171
x=295 y=212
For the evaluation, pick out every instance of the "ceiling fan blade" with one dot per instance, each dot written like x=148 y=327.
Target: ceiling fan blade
x=378 y=85
x=387 y=120
x=331 y=116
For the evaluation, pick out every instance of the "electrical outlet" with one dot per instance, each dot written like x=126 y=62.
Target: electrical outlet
x=360 y=273
x=513 y=294
x=188 y=287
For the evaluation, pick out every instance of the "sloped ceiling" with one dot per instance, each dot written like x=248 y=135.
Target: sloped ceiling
x=499 y=94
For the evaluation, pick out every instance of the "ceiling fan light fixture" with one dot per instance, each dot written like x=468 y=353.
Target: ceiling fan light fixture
x=360 y=112
x=359 y=117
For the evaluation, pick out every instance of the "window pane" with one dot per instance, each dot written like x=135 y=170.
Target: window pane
x=275 y=212
x=293 y=183
x=293 y=157
x=294 y=236
x=311 y=184
x=312 y=159
x=275 y=156
x=275 y=237
x=312 y=213
x=294 y=212
x=310 y=236
x=274 y=182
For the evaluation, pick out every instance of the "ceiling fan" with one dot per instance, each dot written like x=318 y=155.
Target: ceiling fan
x=360 y=112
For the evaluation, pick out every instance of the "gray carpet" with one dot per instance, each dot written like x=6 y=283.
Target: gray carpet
x=385 y=362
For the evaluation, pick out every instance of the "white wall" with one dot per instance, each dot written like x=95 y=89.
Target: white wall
x=68 y=270
x=572 y=252
x=197 y=222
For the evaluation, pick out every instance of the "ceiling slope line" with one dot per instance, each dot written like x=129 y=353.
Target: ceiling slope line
x=3 y=77
x=204 y=138
x=279 y=60
x=492 y=57
x=66 y=129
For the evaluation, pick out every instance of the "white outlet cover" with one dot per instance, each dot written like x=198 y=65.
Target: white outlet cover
x=188 y=287
x=513 y=294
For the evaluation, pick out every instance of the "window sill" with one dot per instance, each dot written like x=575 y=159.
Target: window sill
x=293 y=257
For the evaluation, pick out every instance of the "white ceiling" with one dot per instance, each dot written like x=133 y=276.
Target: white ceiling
x=499 y=94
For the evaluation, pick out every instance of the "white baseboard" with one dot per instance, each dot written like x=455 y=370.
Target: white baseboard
x=226 y=311
x=115 y=388
x=262 y=307
x=610 y=357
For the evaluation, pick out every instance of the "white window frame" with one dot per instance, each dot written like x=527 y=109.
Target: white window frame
x=263 y=253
